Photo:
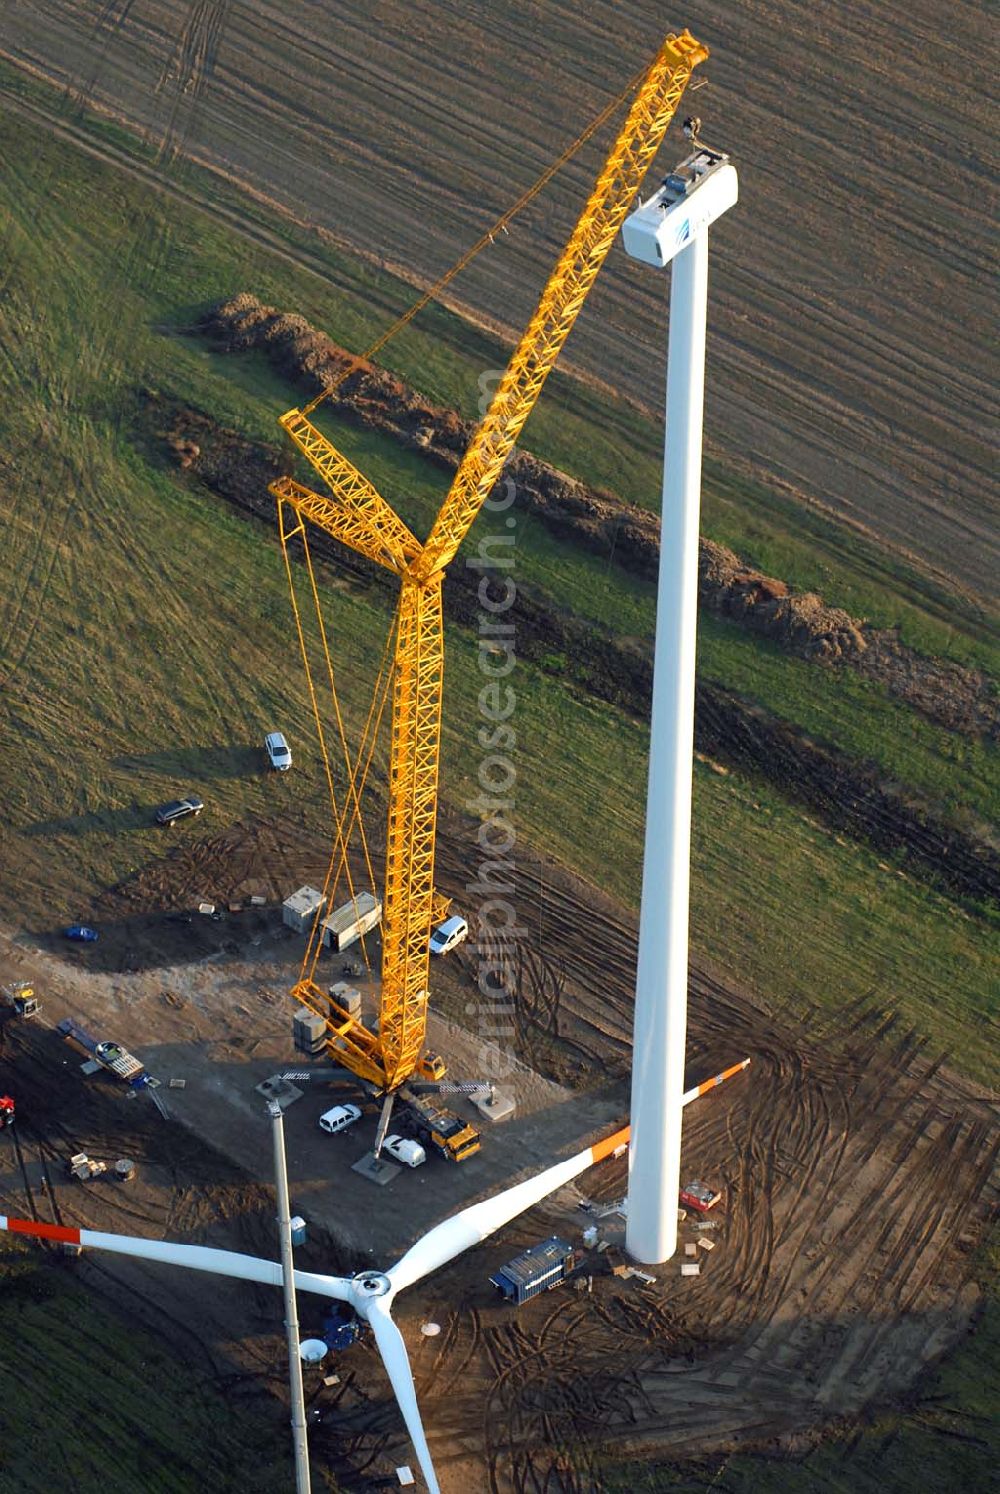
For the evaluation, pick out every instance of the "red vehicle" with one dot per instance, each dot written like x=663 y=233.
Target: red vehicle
x=699 y=1196
x=6 y=1111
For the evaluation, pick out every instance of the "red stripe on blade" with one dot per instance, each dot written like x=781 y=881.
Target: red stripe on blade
x=44 y=1231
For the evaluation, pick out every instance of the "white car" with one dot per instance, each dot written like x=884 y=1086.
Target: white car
x=410 y=1153
x=339 y=1119
x=448 y=934
x=279 y=754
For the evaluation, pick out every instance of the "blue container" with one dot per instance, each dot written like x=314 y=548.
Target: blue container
x=298 y=1230
x=537 y=1269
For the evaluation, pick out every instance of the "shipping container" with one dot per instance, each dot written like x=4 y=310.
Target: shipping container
x=345 y=925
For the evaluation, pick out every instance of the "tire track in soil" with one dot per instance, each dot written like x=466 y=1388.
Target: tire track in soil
x=111 y=17
x=149 y=242
x=850 y=1167
x=835 y=1156
x=143 y=1142
x=191 y=65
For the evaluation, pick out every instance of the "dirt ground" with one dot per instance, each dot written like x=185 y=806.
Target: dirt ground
x=850 y=312
x=855 y=1173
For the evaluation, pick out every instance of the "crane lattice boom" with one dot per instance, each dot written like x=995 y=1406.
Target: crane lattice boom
x=358 y=516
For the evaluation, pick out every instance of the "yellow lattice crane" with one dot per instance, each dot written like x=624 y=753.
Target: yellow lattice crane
x=355 y=513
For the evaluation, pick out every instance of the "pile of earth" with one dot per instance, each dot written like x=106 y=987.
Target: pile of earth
x=953 y=696
x=850 y=796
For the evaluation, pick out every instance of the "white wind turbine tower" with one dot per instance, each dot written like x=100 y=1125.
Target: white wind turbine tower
x=671 y=227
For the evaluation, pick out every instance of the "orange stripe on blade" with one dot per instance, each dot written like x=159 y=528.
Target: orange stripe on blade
x=721 y=1078
x=610 y=1144
x=44 y=1231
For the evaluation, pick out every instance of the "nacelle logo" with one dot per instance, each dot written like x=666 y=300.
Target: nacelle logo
x=683 y=233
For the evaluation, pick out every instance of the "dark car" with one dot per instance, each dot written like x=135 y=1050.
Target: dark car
x=178 y=809
x=81 y=933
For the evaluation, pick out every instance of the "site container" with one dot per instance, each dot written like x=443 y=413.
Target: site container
x=299 y=910
x=535 y=1270
x=345 y=925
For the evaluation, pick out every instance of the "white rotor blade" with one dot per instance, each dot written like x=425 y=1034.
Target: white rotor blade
x=397 y=1366
x=194 y=1257
x=452 y=1236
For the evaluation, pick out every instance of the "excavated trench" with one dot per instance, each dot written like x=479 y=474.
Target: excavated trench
x=597 y=520
x=849 y=796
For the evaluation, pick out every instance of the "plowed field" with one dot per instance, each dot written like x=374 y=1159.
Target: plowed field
x=850 y=316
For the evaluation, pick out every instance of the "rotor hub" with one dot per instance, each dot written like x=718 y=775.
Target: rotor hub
x=369 y=1284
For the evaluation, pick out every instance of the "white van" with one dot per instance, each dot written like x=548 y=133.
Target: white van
x=410 y=1153
x=279 y=754
x=448 y=934
x=339 y=1118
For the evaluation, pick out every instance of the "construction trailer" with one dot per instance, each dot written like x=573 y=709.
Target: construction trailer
x=537 y=1269
x=346 y=924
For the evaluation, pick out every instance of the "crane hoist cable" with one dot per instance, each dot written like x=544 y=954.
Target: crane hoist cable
x=346 y=820
x=358 y=772
x=488 y=237
x=340 y=859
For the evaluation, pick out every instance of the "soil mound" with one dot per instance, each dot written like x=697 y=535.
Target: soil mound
x=960 y=699
x=847 y=794
x=803 y=624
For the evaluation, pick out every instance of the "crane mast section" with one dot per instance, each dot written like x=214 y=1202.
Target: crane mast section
x=412 y=819
x=567 y=288
x=384 y=530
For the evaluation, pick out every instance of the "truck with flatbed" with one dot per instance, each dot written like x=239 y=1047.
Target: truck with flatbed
x=434 y=1125
x=108 y=1055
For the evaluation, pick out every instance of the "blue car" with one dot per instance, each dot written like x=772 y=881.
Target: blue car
x=81 y=933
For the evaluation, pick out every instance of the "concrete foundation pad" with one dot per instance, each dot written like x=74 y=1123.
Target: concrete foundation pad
x=380 y=1172
x=500 y=1107
x=279 y=1089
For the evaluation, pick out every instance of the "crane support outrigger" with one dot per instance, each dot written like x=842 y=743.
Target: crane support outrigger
x=357 y=515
